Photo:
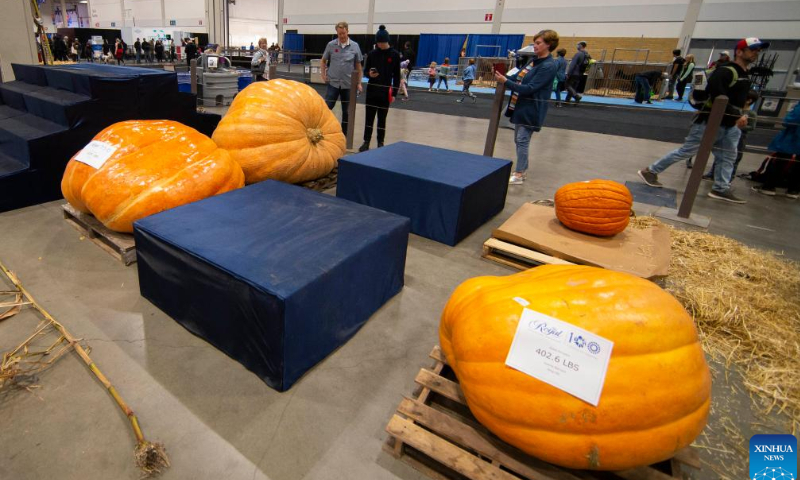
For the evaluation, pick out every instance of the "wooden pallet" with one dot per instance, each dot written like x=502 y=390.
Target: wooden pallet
x=119 y=245
x=323 y=183
x=516 y=256
x=434 y=431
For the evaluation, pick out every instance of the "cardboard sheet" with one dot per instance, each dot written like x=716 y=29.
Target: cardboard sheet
x=644 y=253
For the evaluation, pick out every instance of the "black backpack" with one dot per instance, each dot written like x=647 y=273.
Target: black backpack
x=699 y=97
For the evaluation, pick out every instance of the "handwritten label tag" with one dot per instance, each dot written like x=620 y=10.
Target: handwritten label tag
x=560 y=354
x=96 y=153
x=513 y=71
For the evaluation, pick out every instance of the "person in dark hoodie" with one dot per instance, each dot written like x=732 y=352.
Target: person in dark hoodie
x=383 y=69
x=645 y=82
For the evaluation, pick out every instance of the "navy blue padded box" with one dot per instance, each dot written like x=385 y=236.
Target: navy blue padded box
x=446 y=194
x=274 y=275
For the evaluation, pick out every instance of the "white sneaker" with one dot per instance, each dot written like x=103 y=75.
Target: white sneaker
x=515 y=180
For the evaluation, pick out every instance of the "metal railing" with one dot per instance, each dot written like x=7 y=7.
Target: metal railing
x=614 y=77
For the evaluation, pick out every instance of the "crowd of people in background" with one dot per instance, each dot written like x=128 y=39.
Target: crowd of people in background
x=388 y=71
x=143 y=50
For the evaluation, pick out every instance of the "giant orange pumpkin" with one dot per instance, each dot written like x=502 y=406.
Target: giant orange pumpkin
x=281 y=130
x=657 y=390
x=597 y=207
x=157 y=165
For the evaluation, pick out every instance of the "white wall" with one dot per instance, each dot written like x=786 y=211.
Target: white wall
x=17 y=43
x=741 y=18
x=253 y=19
x=591 y=18
x=78 y=15
x=188 y=15
x=400 y=17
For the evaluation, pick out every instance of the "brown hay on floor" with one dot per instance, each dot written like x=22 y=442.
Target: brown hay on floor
x=746 y=303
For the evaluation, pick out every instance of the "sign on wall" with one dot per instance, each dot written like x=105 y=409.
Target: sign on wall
x=488 y=17
x=172 y=23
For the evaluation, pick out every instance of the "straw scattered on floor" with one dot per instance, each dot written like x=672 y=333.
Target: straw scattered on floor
x=746 y=303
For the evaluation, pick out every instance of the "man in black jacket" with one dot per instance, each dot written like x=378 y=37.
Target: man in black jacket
x=191 y=51
x=731 y=80
x=575 y=72
x=146 y=48
x=383 y=69
x=137 y=45
x=410 y=55
x=675 y=72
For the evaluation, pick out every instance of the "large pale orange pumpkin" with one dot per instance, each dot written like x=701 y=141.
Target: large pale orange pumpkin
x=281 y=130
x=157 y=165
x=597 y=207
x=657 y=390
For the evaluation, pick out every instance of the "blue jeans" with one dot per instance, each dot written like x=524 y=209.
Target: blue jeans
x=559 y=87
x=642 y=90
x=331 y=95
x=724 y=151
x=522 y=138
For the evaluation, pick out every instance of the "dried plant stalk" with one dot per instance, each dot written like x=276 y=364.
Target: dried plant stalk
x=151 y=458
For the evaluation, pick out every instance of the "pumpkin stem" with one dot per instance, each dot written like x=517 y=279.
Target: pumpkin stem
x=314 y=135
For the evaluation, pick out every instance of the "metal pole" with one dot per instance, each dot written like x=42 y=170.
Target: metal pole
x=701 y=159
x=355 y=81
x=193 y=70
x=494 y=119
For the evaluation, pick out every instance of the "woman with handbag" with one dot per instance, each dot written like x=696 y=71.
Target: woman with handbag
x=259 y=66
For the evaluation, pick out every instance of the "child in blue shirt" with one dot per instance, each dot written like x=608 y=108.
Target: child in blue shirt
x=468 y=77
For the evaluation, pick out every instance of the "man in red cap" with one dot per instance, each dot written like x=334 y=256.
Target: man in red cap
x=731 y=80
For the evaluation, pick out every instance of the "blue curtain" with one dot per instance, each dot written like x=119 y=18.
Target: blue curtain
x=505 y=42
x=435 y=47
x=293 y=42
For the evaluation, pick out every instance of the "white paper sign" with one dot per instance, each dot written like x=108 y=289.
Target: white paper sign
x=513 y=71
x=560 y=354
x=96 y=153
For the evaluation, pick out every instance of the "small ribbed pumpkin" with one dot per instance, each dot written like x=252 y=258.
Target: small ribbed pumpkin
x=596 y=207
x=281 y=130
x=657 y=390
x=157 y=165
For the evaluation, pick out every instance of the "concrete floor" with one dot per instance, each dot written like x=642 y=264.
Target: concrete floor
x=220 y=421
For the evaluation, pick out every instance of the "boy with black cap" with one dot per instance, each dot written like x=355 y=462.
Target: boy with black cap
x=731 y=80
x=383 y=69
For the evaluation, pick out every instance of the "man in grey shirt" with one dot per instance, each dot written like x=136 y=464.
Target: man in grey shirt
x=575 y=72
x=341 y=57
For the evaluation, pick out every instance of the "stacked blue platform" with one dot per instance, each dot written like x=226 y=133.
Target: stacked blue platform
x=446 y=194
x=49 y=113
x=275 y=276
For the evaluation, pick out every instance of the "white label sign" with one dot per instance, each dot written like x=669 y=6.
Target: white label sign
x=513 y=71
x=96 y=153
x=560 y=354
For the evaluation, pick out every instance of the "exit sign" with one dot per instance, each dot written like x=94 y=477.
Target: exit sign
x=113 y=24
x=488 y=17
x=285 y=20
x=172 y=23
